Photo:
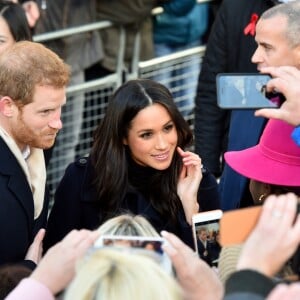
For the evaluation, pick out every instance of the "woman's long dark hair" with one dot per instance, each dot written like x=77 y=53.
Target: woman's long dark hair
x=16 y=20
x=108 y=153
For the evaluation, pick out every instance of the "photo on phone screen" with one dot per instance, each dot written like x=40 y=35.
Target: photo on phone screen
x=206 y=232
x=245 y=91
x=149 y=246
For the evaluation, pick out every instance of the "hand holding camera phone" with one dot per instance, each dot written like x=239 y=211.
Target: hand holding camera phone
x=245 y=91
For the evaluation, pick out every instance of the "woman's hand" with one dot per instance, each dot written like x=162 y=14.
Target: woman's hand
x=275 y=237
x=57 y=268
x=188 y=183
x=196 y=278
x=32 y=12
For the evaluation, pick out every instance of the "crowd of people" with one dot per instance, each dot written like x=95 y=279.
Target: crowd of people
x=141 y=178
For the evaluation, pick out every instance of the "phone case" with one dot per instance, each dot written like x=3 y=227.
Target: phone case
x=203 y=219
x=236 y=225
x=244 y=91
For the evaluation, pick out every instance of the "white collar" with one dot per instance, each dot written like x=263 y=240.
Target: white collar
x=26 y=152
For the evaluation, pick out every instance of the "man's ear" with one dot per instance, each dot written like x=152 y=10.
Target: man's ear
x=7 y=106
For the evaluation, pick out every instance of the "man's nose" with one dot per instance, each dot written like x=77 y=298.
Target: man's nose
x=256 y=57
x=56 y=122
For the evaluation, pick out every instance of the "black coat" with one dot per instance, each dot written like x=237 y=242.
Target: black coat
x=17 y=225
x=74 y=206
x=205 y=253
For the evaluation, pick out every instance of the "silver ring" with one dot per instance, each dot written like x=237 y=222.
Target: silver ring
x=276 y=214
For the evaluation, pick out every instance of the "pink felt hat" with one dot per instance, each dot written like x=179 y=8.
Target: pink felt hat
x=275 y=160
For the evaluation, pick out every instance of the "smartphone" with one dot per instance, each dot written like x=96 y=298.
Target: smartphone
x=206 y=234
x=245 y=91
x=148 y=246
x=236 y=225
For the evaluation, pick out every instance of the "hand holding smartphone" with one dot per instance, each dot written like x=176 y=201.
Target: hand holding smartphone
x=245 y=91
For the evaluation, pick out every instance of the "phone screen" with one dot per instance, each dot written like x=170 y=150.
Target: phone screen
x=206 y=232
x=245 y=91
x=148 y=243
x=149 y=246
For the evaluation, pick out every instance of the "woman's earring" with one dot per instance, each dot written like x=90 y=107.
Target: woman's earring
x=261 y=197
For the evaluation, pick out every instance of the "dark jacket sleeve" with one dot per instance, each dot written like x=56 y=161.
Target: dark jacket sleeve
x=248 y=284
x=65 y=213
x=209 y=118
x=208 y=193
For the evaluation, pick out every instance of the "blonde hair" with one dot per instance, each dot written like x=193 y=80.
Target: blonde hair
x=112 y=275
x=128 y=225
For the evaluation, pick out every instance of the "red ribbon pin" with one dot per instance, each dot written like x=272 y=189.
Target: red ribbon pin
x=250 y=28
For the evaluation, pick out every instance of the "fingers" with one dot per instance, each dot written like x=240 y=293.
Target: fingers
x=278 y=215
x=40 y=236
x=183 y=172
x=174 y=241
x=32 y=12
x=280 y=209
x=80 y=240
x=271 y=113
x=180 y=254
x=280 y=234
x=189 y=158
x=34 y=252
x=285 y=80
x=169 y=247
x=285 y=292
x=283 y=71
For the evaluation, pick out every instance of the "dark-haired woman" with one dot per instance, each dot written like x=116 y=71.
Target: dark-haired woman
x=13 y=24
x=138 y=164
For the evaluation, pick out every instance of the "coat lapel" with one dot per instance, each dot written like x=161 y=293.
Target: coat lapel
x=17 y=182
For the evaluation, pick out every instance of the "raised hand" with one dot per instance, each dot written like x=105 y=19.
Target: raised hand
x=188 y=183
x=286 y=80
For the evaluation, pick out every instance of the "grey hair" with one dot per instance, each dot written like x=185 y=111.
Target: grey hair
x=291 y=11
